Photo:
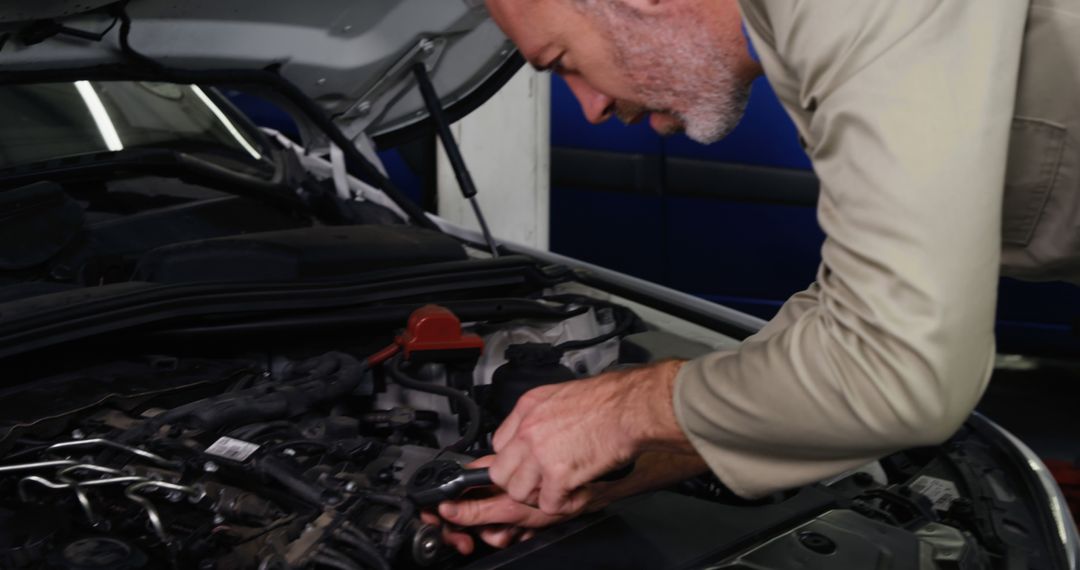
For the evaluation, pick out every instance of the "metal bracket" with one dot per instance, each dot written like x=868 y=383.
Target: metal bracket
x=427 y=51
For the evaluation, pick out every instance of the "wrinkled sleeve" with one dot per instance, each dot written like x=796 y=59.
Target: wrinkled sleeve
x=891 y=348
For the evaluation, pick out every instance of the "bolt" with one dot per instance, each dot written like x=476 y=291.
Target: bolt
x=210 y=467
x=174 y=496
x=427 y=46
x=288 y=452
x=77 y=434
x=426 y=544
x=350 y=486
x=817 y=542
x=218 y=519
x=364 y=108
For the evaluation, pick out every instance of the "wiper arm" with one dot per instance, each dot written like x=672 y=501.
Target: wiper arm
x=275 y=190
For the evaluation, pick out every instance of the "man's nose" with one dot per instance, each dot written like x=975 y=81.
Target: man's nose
x=597 y=106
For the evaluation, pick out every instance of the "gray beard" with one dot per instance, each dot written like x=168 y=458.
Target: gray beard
x=676 y=68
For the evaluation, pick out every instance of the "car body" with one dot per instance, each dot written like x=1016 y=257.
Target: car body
x=222 y=348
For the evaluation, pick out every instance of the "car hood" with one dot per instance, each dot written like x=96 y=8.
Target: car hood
x=353 y=57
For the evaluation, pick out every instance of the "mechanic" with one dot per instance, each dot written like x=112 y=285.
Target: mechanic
x=922 y=118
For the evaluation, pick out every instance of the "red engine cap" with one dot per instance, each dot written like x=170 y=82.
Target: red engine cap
x=432 y=328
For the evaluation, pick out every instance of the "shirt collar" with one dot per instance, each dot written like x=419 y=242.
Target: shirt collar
x=750 y=44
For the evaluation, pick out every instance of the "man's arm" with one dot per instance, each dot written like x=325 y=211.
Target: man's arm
x=910 y=106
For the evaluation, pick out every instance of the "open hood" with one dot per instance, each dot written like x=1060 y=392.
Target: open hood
x=353 y=57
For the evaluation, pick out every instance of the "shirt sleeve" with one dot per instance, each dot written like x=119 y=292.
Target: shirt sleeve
x=909 y=106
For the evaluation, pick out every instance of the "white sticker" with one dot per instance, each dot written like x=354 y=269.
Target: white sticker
x=234 y=449
x=942 y=493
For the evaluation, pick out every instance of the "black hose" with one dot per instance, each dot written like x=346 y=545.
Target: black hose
x=271 y=469
x=472 y=410
x=323 y=379
x=331 y=559
x=364 y=548
x=250 y=432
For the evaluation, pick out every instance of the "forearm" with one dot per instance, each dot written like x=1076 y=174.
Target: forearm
x=652 y=471
x=664 y=454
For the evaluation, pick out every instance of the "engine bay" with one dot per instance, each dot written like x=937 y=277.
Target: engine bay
x=272 y=461
x=317 y=451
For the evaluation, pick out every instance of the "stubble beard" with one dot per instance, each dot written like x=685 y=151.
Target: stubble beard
x=676 y=69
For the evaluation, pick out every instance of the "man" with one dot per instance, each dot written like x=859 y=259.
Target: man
x=922 y=118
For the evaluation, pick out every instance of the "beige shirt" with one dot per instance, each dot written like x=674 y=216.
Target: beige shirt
x=922 y=118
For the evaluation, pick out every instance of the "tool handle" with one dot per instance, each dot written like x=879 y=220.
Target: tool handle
x=475 y=478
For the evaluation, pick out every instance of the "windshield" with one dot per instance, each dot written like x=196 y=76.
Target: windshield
x=57 y=120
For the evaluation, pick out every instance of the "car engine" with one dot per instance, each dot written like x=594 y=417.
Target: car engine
x=270 y=462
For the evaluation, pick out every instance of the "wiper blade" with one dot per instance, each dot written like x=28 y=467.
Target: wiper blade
x=275 y=190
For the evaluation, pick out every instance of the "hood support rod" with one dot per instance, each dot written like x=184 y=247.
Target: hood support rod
x=453 y=151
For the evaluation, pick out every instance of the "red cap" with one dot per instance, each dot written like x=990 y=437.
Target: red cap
x=432 y=327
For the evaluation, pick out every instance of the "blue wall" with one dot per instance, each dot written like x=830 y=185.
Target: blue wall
x=752 y=256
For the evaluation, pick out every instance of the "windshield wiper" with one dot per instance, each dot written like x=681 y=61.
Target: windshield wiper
x=277 y=190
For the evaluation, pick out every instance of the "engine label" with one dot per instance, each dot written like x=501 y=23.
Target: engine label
x=941 y=492
x=234 y=449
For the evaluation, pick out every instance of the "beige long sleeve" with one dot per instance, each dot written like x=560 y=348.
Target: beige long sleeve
x=905 y=107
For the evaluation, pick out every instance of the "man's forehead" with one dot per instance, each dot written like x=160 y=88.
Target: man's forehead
x=532 y=24
x=542 y=13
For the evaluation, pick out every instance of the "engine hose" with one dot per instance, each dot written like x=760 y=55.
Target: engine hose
x=321 y=379
x=331 y=559
x=472 y=430
x=270 y=469
x=363 y=548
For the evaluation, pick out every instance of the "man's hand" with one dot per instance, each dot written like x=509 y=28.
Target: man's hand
x=501 y=521
x=561 y=437
x=496 y=519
